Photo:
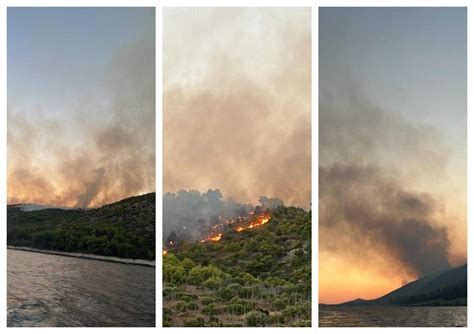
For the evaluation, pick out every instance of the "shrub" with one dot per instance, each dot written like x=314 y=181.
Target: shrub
x=187 y=297
x=167 y=316
x=276 y=318
x=169 y=292
x=279 y=304
x=213 y=283
x=187 y=263
x=299 y=310
x=249 y=292
x=256 y=319
x=199 y=274
x=207 y=300
x=210 y=309
x=198 y=322
x=226 y=293
x=186 y=306
x=235 y=309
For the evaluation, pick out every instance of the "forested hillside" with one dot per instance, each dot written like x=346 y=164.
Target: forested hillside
x=124 y=229
x=258 y=277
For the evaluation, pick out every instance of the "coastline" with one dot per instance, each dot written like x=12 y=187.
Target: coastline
x=137 y=262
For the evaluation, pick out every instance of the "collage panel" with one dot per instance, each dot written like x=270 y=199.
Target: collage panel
x=393 y=167
x=236 y=167
x=81 y=167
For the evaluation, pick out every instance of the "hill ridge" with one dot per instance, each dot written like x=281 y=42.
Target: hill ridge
x=446 y=287
x=124 y=229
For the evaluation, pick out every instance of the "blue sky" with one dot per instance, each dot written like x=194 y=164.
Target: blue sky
x=58 y=55
x=409 y=60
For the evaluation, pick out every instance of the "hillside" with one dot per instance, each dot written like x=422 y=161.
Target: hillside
x=124 y=229
x=444 y=288
x=256 y=277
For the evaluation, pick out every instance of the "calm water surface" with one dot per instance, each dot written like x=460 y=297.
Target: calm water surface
x=425 y=316
x=51 y=290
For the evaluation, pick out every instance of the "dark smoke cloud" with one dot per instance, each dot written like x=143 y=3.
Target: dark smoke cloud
x=370 y=162
x=112 y=153
x=368 y=204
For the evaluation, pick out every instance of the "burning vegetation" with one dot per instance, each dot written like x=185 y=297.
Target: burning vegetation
x=224 y=225
x=261 y=220
x=230 y=264
x=215 y=238
x=252 y=270
x=207 y=217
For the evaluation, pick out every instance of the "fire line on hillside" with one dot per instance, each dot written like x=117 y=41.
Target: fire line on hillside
x=251 y=223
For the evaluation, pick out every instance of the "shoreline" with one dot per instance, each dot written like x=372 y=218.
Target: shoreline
x=136 y=262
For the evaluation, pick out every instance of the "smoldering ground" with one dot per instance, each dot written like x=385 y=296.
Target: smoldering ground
x=103 y=153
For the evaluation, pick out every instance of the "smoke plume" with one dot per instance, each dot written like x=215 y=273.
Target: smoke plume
x=381 y=216
x=371 y=162
x=104 y=153
x=237 y=102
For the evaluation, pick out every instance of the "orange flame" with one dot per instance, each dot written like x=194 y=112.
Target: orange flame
x=261 y=220
x=214 y=238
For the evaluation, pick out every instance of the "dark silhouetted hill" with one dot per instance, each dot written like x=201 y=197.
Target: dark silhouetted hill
x=124 y=229
x=444 y=288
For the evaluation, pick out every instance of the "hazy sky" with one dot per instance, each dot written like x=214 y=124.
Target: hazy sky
x=80 y=104
x=237 y=102
x=392 y=147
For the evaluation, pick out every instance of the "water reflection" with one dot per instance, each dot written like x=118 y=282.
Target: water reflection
x=50 y=290
x=423 y=316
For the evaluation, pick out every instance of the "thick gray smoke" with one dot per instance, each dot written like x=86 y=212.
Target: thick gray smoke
x=188 y=214
x=369 y=159
x=103 y=152
x=381 y=216
x=243 y=124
